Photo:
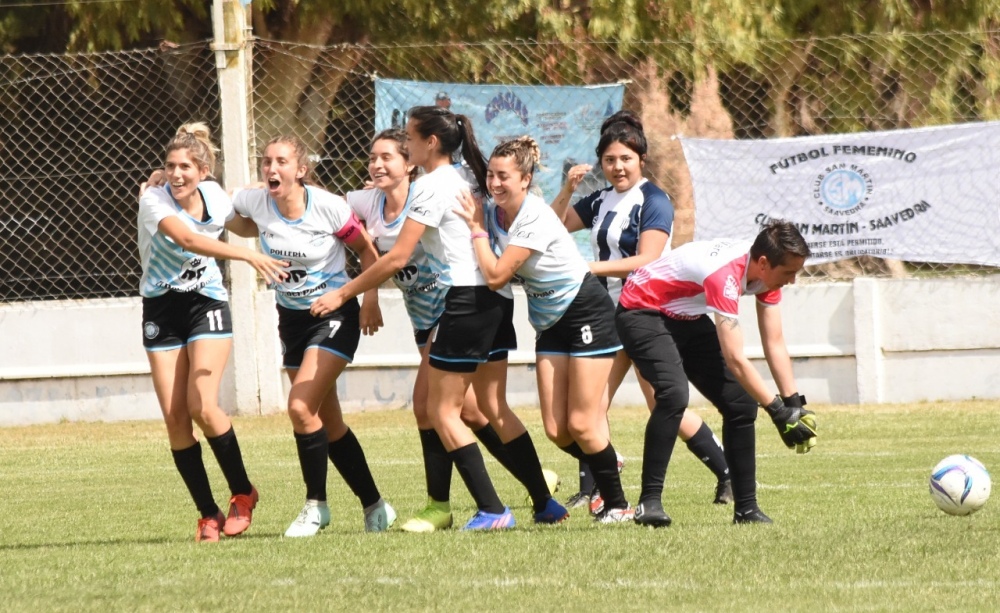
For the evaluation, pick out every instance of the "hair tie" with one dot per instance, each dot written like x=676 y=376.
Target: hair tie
x=458 y=121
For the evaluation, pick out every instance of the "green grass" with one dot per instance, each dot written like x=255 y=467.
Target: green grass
x=96 y=518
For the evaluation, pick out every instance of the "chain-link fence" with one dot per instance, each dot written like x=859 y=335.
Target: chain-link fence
x=78 y=133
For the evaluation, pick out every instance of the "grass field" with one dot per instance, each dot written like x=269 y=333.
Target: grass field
x=96 y=518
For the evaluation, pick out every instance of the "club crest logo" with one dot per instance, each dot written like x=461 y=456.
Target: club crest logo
x=150 y=330
x=843 y=189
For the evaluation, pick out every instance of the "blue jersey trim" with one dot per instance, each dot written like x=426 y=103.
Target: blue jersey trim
x=209 y=335
x=584 y=354
x=458 y=360
x=292 y=222
x=328 y=350
x=170 y=348
x=180 y=209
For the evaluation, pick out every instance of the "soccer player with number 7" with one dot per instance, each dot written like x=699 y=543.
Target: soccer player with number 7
x=186 y=321
x=663 y=321
x=311 y=227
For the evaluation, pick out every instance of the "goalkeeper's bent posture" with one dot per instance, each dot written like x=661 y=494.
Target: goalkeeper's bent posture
x=663 y=322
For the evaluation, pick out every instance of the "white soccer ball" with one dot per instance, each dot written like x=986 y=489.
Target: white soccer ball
x=960 y=485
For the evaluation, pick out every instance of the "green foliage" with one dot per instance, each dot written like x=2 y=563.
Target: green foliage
x=96 y=518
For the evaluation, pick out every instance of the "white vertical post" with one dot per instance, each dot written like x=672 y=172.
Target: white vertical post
x=256 y=377
x=869 y=359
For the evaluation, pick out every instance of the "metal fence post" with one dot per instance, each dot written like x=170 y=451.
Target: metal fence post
x=256 y=372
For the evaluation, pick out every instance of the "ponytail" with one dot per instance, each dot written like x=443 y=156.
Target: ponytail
x=455 y=134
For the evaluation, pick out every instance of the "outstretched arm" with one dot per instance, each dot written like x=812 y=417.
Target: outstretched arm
x=376 y=274
x=271 y=269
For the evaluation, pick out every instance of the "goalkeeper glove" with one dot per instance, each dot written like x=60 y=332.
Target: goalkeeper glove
x=796 y=426
x=797 y=401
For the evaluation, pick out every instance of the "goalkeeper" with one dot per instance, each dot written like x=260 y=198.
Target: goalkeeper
x=663 y=322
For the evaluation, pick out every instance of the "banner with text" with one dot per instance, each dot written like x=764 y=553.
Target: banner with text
x=923 y=195
x=566 y=121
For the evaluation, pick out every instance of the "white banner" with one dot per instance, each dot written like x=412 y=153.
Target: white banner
x=923 y=195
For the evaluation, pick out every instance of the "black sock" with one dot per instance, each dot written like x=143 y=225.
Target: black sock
x=586 y=478
x=192 y=469
x=437 y=466
x=469 y=462
x=312 y=458
x=491 y=440
x=604 y=464
x=529 y=470
x=349 y=458
x=741 y=455
x=227 y=452
x=658 y=445
x=708 y=449
x=574 y=450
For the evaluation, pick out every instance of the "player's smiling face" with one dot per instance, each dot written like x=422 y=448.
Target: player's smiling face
x=386 y=164
x=281 y=169
x=506 y=183
x=622 y=166
x=183 y=173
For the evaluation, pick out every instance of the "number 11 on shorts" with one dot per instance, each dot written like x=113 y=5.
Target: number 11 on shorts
x=214 y=320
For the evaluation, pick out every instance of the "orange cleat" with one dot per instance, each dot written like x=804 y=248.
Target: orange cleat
x=208 y=529
x=241 y=508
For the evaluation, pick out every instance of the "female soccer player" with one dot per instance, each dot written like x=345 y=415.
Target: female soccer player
x=310 y=227
x=663 y=322
x=571 y=312
x=186 y=323
x=383 y=209
x=630 y=224
x=470 y=343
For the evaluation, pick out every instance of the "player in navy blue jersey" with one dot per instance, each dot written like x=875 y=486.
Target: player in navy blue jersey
x=471 y=341
x=571 y=312
x=630 y=223
x=186 y=323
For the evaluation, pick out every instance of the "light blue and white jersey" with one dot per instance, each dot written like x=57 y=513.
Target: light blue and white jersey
x=317 y=257
x=553 y=273
x=422 y=294
x=165 y=265
x=446 y=241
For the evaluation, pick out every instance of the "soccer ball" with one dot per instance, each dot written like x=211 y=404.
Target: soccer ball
x=960 y=485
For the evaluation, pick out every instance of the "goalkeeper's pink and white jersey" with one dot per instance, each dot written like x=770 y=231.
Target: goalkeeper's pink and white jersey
x=695 y=279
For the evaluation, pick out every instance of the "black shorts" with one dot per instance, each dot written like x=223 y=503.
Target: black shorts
x=338 y=333
x=586 y=329
x=421 y=337
x=477 y=327
x=175 y=319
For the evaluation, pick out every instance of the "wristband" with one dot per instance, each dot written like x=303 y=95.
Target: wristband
x=480 y=235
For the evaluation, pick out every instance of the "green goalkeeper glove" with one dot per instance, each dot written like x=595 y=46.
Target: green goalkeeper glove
x=798 y=401
x=796 y=426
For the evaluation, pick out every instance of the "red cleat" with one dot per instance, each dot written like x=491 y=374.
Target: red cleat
x=208 y=529
x=241 y=508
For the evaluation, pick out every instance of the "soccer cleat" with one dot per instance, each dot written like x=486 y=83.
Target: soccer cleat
x=491 y=521
x=208 y=528
x=616 y=516
x=241 y=508
x=553 y=513
x=379 y=517
x=753 y=516
x=552 y=480
x=435 y=516
x=596 y=502
x=578 y=499
x=314 y=517
x=723 y=492
x=651 y=514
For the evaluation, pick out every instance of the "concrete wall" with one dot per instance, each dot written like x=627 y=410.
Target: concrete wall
x=869 y=341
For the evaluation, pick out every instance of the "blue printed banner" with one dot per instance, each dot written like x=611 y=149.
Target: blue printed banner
x=566 y=121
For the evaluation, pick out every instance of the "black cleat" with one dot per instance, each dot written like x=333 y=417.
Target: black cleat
x=723 y=492
x=651 y=514
x=754 y=516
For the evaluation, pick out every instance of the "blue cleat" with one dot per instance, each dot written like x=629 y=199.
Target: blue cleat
x=553 y=513
x=491 y=521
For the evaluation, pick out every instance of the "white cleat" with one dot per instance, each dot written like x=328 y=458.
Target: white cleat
x=314 y=517
x=379 y=517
